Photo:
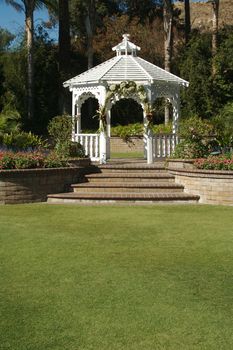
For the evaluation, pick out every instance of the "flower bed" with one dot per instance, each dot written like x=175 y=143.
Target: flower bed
x=215 y=163
x=30 y=160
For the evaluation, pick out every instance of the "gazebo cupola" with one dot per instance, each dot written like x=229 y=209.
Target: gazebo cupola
x=126 y=47
x=125 y=66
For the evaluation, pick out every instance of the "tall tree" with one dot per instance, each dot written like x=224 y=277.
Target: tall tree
x=168 y=26
x=215 y=20
x=28 y=7
x=143 y=10
x=90 y=26
x=64 y=37
x=187 y=20
x=87 y=16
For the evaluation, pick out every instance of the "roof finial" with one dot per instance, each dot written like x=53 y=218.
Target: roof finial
x=126 y=37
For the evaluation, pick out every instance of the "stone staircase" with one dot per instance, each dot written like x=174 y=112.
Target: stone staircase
x=126 y=183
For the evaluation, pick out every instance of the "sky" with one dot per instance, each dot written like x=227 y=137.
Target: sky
x=14 y=21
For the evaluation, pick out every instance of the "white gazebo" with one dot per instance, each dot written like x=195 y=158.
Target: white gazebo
x=124 y=76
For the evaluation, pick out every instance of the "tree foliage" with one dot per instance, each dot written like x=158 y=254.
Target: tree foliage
x=95 y=27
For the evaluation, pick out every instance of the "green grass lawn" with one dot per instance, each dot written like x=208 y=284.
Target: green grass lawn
x=107 y=278
x=127 y=155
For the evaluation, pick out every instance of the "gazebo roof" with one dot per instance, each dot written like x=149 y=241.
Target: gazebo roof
x=126 y=65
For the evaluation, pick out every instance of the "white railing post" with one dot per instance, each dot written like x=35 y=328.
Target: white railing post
x=164 y=144
x=150 y=158
x=103 y=147
x=90 y=143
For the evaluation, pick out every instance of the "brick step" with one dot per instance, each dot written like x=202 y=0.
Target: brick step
x=145 y=167
x=132 y=177
x=132 y=166
x=132 y=171
x=76 y=197
x=129 y=187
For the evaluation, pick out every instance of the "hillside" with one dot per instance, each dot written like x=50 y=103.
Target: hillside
x=201 y=14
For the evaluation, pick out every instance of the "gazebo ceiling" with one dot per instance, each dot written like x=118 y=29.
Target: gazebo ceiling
x=126 y=65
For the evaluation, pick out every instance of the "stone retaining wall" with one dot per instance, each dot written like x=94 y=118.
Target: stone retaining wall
x=33 y=185
x=134 y=144
x=213 y=186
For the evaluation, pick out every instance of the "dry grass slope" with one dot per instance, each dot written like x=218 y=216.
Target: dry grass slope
x=201 y=14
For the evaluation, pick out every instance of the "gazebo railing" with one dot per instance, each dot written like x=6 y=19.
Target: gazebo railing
x=90 y=143
x=164 y=144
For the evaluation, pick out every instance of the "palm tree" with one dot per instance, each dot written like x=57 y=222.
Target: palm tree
x=187 y=20
x=215 y=7
x=167 y=23
x=90 y=24
x=28 y=7
x=64 y=37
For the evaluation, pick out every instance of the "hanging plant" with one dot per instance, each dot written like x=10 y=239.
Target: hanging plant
x=101 y=115
x=149 y=110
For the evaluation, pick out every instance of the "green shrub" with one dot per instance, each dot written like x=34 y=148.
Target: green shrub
x=22 y=141
x=197 y=136
x=190 y=150
x=127 y=131
x=76 y=150
x=9 y=121
x=53 y=160
x=223 y=125
x=162 y=129
x=194 y=129
x=137 y=129
x=60 y=129
x=28 y=160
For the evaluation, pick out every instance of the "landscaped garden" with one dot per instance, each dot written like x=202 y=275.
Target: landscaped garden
x=23 y=150
x=152 y=277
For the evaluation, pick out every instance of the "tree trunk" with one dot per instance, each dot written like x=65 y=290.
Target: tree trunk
x=29 y=10
x=90 y=29
x=215 y=6
x=64 y=53
x=167 y=22
x=187 y=20
x=64 y=38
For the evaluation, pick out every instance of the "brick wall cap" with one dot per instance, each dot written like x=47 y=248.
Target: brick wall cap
x=5 y=173
x=180 y=160
x=201 y=171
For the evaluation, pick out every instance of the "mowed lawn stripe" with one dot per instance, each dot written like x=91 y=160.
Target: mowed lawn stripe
x=80 y=278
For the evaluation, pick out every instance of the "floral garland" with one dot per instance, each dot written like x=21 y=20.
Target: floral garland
x=126 y=89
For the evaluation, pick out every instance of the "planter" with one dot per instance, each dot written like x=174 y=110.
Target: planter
x=213 y=186
x=33 y=185
x=180 y=163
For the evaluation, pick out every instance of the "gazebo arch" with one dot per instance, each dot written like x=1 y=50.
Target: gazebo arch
x=124 y=76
